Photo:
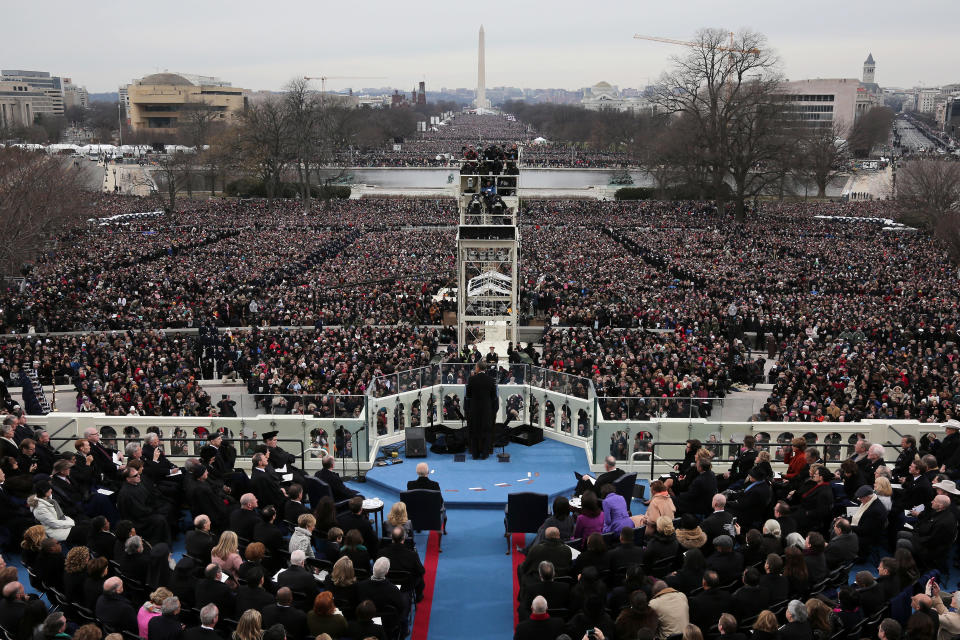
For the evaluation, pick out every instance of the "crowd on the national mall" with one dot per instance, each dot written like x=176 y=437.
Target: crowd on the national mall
x=664 y=307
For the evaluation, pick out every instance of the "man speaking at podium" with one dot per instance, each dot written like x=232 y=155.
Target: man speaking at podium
x=481 y=405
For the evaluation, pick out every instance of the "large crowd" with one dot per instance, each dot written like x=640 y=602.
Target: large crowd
x=439 y=146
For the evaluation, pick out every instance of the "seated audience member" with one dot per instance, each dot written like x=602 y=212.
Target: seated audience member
x=152 y=608
x=725 y=561
x=540 y=624
x=342 y=583
x=283 y=612
x=766 y=627
x=557 y=593
x=363 y=626
x=594 y=554
x=661 y=549
x=773 y=581
x=690 y=574
x=660 y=505
x=843 y=546
x=615 y=515
x=322 y=618
x=552 y=549
x=637 y=616
x=114 y=609
x=302 y=537
x=822 y=619
x=199 y=540
x=813 y=555
x=751 y=598
x=251 y=594
x=798 y=625
x=211 y=590
x=689 y=534
x=672 y=610
x=383 y=594
x=354 y=549
x=707 y=606
x=590 y=520
x=298 y=578
x=727 y=625
x=403 y=558
x=166 y=626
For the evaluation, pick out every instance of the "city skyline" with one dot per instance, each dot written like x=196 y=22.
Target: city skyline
x=258 y=49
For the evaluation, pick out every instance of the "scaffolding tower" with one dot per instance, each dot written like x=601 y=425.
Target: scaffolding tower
x=488 y=250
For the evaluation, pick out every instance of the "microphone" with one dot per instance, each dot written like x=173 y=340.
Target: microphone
x=360 y=429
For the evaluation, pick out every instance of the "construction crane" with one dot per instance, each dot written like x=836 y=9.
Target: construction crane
x=323 y=79
x=684 y=43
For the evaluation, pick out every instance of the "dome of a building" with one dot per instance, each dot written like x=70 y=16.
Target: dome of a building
x=165 y=78
x=602 y=85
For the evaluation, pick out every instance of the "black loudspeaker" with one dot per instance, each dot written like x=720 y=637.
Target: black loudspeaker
x=416 y=445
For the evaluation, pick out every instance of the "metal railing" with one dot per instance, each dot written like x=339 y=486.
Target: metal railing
x=711 y=409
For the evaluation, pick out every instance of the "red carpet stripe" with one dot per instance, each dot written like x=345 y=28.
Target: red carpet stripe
x=421 y=621
x=516 y=540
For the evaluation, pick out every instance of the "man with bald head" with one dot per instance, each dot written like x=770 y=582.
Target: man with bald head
x=114 y=609
x=552 y=550
x=283 y=612
x=20 y=613
x=245 y=519
x=423 y=481
x=378 y=589
x=934 y=533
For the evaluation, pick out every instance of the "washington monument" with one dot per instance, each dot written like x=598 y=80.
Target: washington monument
x=481 y=102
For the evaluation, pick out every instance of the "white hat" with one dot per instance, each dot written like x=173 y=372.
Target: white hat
x=947 y=485
x=952 y=424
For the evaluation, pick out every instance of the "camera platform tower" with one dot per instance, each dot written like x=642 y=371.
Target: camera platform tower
x=488 y=251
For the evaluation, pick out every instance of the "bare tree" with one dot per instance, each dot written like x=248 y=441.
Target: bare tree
x=265 y=143
x=928 y=192
x=174 y=174
x=822 y=150
x=197 y=123
x=304 y=115
x=40 y=195
x=723 y=86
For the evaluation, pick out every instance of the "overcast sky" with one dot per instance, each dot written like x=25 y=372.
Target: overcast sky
x=564 y=44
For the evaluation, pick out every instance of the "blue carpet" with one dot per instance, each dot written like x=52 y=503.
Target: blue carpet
x=545 y=468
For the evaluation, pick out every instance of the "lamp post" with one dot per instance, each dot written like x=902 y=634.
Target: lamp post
x=120 y=121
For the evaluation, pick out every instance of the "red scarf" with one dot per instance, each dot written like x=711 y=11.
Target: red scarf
x=815 y=487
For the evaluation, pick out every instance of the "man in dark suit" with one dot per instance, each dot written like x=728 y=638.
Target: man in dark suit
x=102 y=456
x=720 y=522
x=610 y=475
x=540 y=625
x=556 y=593
x=339 y=490
x=267 y=532
x=707 y=606
x=725 y=561
x=14 y=514
x=481 y=404
x=252 y=595
x=383 y=593
x=950 y=443
x=908 y=451
x=283 y=612
x=935 y=532
x=552 y=549
x=264 y=485
x=626 y=553
x=113 y=608
x=870 y=593
x=211 y=590
x=209 y=616
x=887 y=578
x=843 y=546
x=244 y=519
x=298 y=579
x=293 y=508
x=741 y=465
x=8 y=445
x=752 y=506
x=199 y=541
x=46 y=455
x=354 y=519
x=423 y=481
x=203 y=497
x=403 y=558
x=750 y=599
x=18 y=612
x=166 y=626
x=147 y=513
x=699 y=496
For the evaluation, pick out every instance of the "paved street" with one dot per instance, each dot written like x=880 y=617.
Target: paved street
x=911 y=138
